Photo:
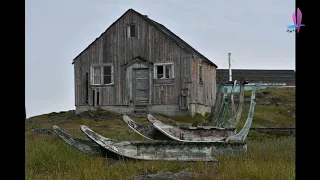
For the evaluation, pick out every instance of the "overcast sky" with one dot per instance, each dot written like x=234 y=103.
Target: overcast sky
x=254 y=31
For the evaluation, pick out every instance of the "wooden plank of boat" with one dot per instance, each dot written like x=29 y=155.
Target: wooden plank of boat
x=147 y=131
x=167 y=150
x=86 y=146
x=203 y=134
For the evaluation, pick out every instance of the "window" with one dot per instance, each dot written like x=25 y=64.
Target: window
x=131 y=30
x=87 y=88
x=200 y=74
x=163 y=71
x=102 y=75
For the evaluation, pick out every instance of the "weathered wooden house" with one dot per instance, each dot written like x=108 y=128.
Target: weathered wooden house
x=139 y=64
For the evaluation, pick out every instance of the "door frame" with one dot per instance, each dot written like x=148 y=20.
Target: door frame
x=134 y=87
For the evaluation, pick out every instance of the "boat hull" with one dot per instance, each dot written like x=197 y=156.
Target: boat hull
x=166 y=150
x=191 y=134
x=83 y=145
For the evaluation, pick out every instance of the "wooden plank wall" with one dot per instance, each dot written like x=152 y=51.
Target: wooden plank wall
x=113 y=47
x=203 y=94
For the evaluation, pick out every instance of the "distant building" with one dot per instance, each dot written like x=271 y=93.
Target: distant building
x=260 y=79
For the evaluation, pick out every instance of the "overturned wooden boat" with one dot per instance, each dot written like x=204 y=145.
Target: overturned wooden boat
x=83 y=145
x=166 y=150
x=209 y=134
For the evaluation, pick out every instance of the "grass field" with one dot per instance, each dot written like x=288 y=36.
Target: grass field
x=268 y=156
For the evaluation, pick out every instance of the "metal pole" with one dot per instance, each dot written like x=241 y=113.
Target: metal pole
x=230 y=71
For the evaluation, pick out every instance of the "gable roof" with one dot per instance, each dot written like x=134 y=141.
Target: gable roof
x=259 y=75
x=164 y=30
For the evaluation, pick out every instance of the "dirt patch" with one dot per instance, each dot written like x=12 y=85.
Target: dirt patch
x=165 y=176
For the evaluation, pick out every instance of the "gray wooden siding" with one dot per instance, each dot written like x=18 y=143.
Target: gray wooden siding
x=151 y=44
x=205 y=93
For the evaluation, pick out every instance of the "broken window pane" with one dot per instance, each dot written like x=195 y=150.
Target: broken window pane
x=159 y=72
x=132 y=31
x=107 y=70
x=107 y=79
x=168 y=71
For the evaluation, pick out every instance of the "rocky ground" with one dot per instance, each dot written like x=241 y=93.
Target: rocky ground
x=182 y=175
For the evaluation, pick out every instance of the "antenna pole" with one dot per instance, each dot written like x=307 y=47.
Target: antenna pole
x=230 y=71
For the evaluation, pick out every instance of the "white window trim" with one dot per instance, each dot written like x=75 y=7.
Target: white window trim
x=162 y=64
x=200 y=65
x=102 y=74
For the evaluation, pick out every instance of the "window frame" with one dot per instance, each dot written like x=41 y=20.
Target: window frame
x=199 y=81
x=164 y=70
x=128 y=31
x=102 y=74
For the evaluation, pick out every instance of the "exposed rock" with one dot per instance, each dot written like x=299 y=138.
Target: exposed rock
x=265 y=103
x=289 y=105
x=43 y=131
x=183 y=175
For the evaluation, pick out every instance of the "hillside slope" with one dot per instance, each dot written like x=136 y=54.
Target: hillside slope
x=275 y=108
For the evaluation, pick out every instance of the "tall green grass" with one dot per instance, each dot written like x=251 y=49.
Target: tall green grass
x=268 y=156
x=51 y=158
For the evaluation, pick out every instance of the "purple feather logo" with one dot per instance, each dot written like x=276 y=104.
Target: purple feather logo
x=296 y=18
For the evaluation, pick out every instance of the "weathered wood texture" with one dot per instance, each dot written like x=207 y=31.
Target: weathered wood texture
x=203 y=93
x=150 y=44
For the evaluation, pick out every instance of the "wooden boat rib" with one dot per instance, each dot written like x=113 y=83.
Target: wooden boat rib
x=147 y=131
x=213 y=134
x=235 y=119
x=242 y=135
x=86 y=146
x=166 y=150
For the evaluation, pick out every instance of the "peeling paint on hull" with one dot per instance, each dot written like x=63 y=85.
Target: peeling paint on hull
x=167 y=150
x=86 y=146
